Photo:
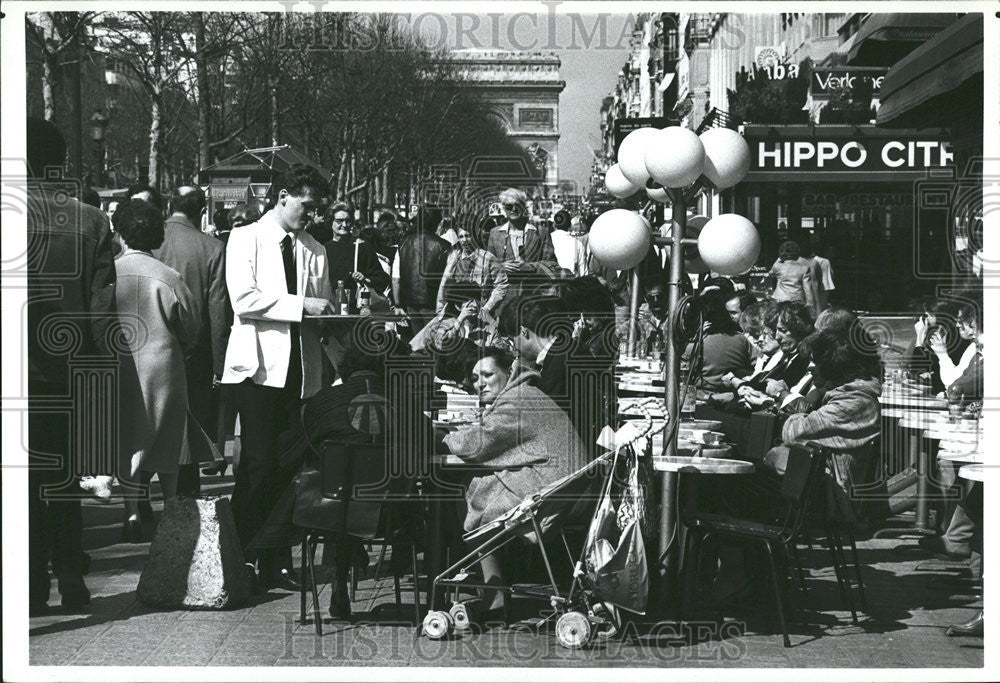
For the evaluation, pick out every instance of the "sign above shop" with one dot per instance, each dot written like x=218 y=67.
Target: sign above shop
x=807 y=153
x=826 y=79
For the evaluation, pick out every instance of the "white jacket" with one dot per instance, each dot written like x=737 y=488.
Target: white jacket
x=260 y=341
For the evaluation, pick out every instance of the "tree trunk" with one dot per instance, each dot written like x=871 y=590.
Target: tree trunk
x=201 y=75
x=154 y=141
x=275 y=128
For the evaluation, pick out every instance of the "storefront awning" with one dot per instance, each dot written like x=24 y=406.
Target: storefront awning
x=920 y=89
x=884 y=39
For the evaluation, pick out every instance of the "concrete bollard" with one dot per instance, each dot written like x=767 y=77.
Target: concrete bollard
x=195 y=560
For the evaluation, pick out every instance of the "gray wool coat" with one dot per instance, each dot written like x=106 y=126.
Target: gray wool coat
x=524 y=440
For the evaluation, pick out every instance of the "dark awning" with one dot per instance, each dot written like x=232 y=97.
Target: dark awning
x=921 y=89
x=884 y=39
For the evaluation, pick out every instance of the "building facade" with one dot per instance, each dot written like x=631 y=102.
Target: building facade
x=522 y=91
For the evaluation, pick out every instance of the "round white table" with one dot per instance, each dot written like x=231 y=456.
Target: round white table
x=700 y=465
x=971 y=472
x=971 y=457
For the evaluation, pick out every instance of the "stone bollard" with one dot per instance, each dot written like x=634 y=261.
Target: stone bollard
x=195 y=560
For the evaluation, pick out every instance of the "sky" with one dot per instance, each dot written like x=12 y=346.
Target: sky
x=592 y=47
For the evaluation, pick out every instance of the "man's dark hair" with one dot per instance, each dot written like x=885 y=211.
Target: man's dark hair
x=140 y=224
x=713 y=311
x=46 y=147
x=796 y=317
x=562 y=220
x=430 y=218
x=837 y=358
x=189 y=203
x=295 y=179
x=89 y=196
x=587 y=296
x=154 y=196
x=243 y=214
x=544 y=315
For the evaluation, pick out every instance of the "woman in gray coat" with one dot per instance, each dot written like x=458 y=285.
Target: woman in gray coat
x=523 y=441
x=157 y=303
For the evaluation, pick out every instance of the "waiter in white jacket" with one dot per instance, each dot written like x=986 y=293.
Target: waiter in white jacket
x=277 y=275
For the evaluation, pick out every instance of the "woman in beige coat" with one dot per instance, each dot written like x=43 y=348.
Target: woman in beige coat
x=155 y=302
x=523 y=442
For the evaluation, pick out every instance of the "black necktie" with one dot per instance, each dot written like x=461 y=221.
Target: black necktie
x=288 y=257
x=293 y=381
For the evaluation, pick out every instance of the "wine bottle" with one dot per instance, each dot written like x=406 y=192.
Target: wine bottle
x=343 y=305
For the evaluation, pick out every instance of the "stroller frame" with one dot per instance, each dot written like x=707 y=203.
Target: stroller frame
x=577 y=620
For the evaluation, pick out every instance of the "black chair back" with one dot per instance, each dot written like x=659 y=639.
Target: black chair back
x=800 y=486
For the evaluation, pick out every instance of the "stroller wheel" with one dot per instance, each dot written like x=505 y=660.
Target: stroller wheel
x=573 y=630
x=437 y=624
x=460 y=617
x=605 y=620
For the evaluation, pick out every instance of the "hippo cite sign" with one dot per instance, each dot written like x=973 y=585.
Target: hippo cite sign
x=803 y=153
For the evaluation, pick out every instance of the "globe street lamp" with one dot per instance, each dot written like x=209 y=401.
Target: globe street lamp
x=98 y=124
x=674 y=164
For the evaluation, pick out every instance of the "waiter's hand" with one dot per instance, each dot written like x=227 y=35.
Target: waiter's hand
x=314 y=306
x=358 y=277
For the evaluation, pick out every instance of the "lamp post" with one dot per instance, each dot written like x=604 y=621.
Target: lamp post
x=674 y=164
x=98 y=124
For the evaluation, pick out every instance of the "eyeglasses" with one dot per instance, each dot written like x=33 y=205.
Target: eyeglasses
x=511 y=207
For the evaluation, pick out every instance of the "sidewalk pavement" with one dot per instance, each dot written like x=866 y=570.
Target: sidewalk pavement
x=912 y=601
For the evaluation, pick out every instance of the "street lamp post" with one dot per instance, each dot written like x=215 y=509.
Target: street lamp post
x=98 y=124
x=676 y=163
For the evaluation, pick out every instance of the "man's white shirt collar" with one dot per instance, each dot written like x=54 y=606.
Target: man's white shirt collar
x=544 y=353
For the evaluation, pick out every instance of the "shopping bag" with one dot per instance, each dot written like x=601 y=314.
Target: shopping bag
x=615 y=558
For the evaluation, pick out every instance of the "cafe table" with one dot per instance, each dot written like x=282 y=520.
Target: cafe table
x=915 y=419
x=972 y=472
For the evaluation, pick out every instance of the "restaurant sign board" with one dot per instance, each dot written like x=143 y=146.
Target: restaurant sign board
x=804 y=153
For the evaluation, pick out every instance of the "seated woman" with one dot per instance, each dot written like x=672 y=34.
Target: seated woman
x=793 y=322
x=847 y=420
x=471 y=274
x=725 y=351
x=969 y=325
x=522 y=443
x=783 y=326
x=936 y=325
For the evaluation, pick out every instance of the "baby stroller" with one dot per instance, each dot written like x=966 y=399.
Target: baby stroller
x=610 y=574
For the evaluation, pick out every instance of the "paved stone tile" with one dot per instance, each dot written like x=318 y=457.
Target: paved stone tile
x=909 y=612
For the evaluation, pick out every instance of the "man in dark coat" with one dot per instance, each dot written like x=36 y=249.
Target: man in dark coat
x=576 y=380
x=71 y=298
x=418 y=268
x=201 y=262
